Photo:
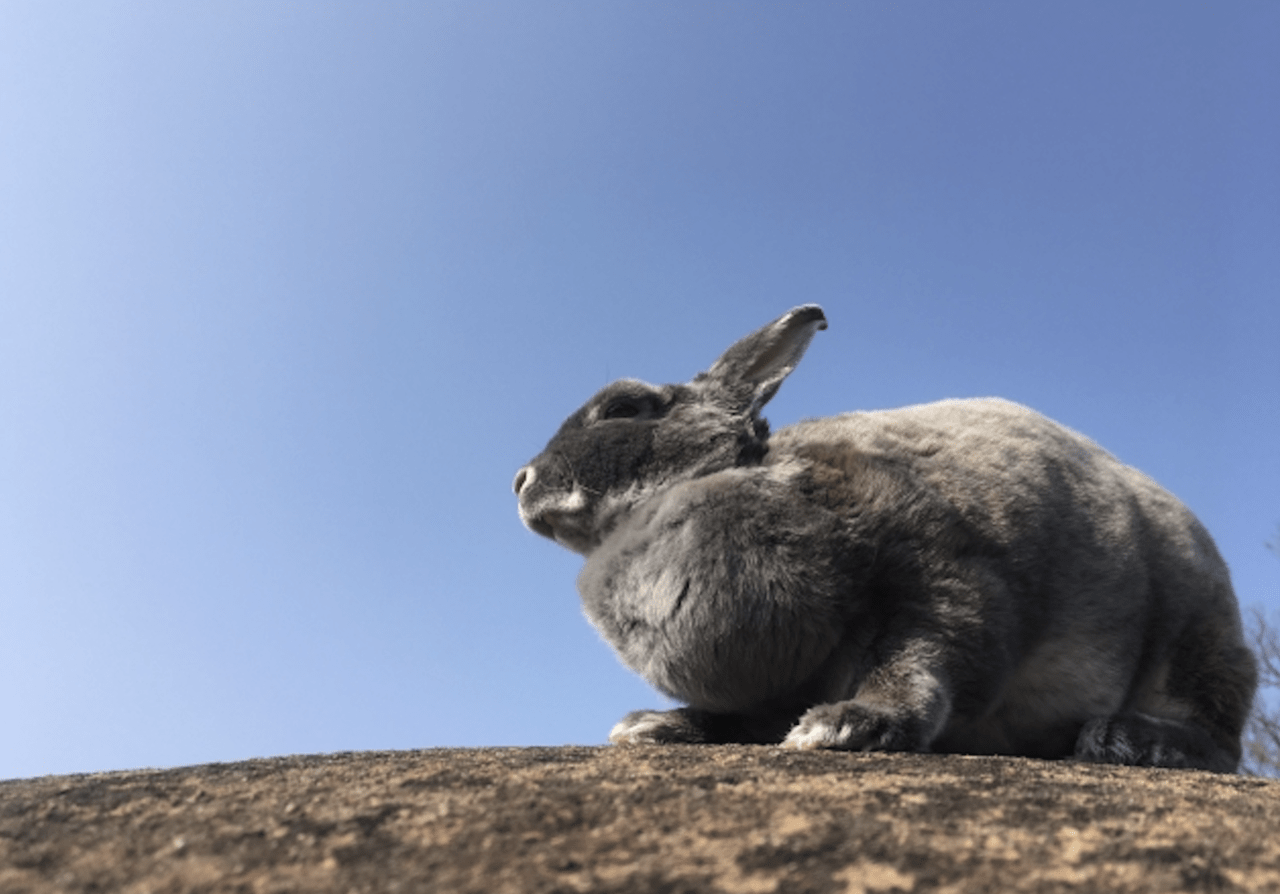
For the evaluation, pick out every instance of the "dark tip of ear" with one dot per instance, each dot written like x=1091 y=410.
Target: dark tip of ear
x=808 y=313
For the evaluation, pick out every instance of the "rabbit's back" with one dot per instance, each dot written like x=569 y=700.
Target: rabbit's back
x=1017 y=479
x=994 y=460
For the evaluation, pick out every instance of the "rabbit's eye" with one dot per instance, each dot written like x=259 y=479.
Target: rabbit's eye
x=622 y=409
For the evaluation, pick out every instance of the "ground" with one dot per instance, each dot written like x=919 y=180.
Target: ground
x=640 y=819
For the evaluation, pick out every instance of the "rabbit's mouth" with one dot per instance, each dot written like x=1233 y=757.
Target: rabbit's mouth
x=559 y=515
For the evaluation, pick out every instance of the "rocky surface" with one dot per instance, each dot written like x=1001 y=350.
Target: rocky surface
x=644 y=819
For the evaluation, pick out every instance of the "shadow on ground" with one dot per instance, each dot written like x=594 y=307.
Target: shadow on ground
x=651 y=819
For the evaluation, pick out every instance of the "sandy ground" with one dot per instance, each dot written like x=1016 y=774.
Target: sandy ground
x=647 y=819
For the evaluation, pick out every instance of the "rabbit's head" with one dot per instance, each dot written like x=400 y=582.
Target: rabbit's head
x=633 y=439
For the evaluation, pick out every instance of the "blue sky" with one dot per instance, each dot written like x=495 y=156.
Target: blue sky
x=288 y=292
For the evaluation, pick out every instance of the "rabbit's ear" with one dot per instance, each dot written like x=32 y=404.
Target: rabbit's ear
x=751 y=371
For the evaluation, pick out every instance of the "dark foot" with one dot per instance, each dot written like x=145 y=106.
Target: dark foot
x=1142 y=741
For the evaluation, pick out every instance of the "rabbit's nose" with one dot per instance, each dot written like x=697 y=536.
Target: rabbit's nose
x=523 y=477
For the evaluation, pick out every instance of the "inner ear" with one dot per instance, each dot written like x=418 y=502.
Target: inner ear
x=753 y=369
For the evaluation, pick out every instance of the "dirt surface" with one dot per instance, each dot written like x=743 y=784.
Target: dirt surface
x=643 y=819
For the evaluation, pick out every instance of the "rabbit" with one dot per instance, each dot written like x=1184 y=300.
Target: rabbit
x=964 y=576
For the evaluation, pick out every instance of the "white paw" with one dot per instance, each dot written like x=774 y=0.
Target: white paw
x=813 y=733
x=641 y=728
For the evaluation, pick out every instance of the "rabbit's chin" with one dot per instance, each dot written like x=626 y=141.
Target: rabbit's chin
x=564 y=530
x=581 y=544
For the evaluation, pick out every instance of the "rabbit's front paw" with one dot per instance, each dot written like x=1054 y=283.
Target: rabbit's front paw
x=849 y=726
x=657 y=728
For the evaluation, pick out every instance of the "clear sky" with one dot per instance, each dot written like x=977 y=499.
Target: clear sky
x=288 y=292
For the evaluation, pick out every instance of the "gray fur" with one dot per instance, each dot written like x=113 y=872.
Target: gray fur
x=963 y=576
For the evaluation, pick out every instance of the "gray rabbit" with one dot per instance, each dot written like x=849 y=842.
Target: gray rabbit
x=964 y=576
